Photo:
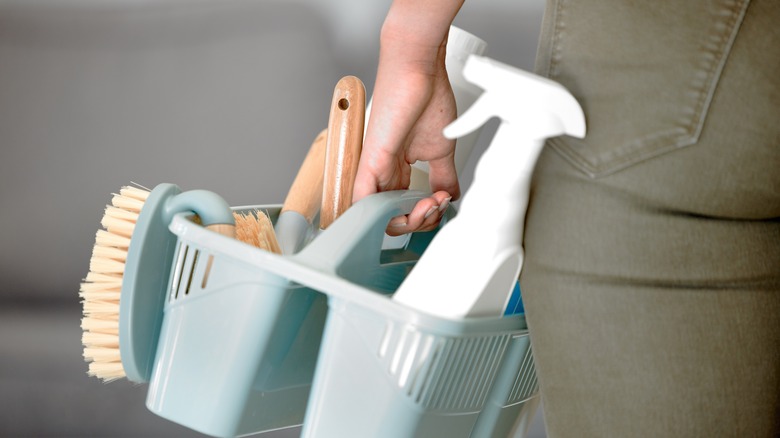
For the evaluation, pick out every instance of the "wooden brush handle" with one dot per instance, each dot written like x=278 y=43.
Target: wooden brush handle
x=305 y=195
x=345 y=141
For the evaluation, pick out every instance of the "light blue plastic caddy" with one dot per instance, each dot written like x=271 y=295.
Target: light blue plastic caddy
x=252 y=341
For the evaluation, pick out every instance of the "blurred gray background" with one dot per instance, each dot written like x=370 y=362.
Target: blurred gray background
x=225 y=95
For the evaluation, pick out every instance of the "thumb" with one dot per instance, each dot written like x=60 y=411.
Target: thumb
x=442 y=175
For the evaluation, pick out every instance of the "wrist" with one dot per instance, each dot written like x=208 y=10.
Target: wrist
x=405 y=51
x=418 y=28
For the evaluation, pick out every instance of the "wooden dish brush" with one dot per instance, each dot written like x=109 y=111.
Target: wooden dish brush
x=102 y=288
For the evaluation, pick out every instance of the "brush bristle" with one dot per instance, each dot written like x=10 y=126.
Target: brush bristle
x=101 y=288
x=257 y=230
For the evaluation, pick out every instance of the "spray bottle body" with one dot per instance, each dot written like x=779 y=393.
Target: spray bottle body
x=483 y=243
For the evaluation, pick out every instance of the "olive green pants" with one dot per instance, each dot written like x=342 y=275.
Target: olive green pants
x=652 y=272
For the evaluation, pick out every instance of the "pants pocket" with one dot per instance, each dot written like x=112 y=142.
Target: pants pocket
x=644 y=72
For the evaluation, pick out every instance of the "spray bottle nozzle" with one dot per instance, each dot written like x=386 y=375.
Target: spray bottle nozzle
x=542 y=107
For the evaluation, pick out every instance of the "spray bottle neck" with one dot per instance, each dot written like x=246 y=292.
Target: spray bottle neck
x=503 y=173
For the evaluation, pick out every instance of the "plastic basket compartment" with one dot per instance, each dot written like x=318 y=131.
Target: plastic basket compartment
x=238 y=344
x=384 y=371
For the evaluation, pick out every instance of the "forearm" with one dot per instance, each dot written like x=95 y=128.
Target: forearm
x=414 y=32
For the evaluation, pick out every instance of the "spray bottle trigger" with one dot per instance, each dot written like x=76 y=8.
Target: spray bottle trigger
x=556 y=111
x=471 y=119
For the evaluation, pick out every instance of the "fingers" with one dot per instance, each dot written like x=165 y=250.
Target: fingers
x=379 y=171
x=424 y=217
x=365 y=183
x=396 y=109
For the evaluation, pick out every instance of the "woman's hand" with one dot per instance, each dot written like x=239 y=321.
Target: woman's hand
x=412 y=103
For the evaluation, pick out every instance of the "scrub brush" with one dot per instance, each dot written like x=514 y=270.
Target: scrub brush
x=133 y=252
x=101 y=289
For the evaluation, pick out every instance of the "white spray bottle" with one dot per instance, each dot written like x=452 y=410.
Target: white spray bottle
x=471 y=266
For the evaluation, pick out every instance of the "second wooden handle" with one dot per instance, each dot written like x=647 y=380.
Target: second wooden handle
x=345 y=141
x=305 y=195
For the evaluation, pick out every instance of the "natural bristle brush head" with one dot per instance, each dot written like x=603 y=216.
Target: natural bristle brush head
x=102 y=287
x=131 y=260
x=256 y=229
